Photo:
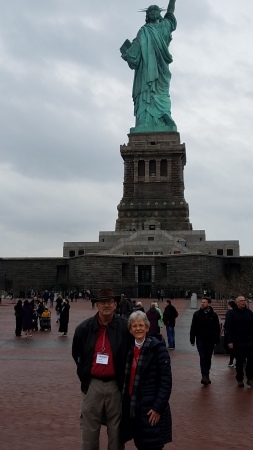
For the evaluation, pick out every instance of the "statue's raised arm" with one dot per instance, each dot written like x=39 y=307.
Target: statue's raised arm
x=171 y=6
x=149 y=57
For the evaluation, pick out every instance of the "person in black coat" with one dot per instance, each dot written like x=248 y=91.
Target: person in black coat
x=19 y=317
x=146 y=416
x=125 y=307
x=239 y=333
x=231 y=351
x=58 y=307
x=40 y=308
x=169 y=318
x=64 y=317
x=154 y=317
x=27 y=318
x=138 y=307
x=205 y=329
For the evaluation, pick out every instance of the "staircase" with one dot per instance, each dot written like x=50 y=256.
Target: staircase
x=220 y=309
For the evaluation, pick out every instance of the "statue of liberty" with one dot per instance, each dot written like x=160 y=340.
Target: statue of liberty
x=149 y=57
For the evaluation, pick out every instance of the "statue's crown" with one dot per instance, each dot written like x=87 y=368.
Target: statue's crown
x=145 y=9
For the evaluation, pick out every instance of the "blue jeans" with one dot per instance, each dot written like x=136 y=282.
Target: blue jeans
x=170 y=336
x=205 y=350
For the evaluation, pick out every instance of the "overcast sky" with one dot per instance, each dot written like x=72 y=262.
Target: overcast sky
x=66 y=106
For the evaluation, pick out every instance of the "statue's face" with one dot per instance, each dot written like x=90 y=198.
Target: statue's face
x=153 y=13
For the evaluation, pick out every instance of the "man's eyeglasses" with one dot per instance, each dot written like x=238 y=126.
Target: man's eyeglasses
x=104 y=302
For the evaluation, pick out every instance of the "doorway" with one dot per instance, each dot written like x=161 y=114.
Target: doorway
x=144 y=281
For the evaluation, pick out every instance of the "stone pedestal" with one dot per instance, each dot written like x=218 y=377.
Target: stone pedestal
x=194 y=301
x=153 y=188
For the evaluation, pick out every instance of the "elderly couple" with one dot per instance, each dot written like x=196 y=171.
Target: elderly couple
x=125 y=379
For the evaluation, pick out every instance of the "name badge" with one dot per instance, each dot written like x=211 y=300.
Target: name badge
x=102 y=358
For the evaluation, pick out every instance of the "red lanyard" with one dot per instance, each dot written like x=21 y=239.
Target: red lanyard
x=103 y=343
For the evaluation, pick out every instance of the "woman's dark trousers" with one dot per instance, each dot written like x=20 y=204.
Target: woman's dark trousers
x=19 y=323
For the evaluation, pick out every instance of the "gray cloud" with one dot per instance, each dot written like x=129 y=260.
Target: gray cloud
x=66 y=107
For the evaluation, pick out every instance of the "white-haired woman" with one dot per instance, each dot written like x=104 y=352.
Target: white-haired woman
x=146 y=416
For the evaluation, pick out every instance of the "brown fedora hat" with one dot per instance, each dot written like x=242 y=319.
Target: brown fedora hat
x=105 y=294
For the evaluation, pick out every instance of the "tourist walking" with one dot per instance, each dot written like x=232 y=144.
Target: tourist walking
x=40 y=308
x=153 y=316
x=160 y=321
x=100 y=347
x=93 y=300
x=46 y=297
x=125 y=307
x=231 y=351
x=146 y=413
x=239 y=332
x=27 y=318
x=64 y=317
x=138 y=307
x=18 y=308
x=51 y=298
x=169 y=318
x=205 y=329
x=58 y=307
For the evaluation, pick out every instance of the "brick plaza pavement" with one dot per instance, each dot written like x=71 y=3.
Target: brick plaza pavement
x=39 y=391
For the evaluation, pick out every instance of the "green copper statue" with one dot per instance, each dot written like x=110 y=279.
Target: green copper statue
x=148 y=55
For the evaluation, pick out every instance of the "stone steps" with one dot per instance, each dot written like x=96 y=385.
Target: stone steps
x=220 y=310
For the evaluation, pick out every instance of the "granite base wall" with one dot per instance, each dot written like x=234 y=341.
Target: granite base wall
x=194 y=272
x=32 y=273
x=190 y=271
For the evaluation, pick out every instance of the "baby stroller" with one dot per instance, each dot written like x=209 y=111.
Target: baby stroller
x=45 y=323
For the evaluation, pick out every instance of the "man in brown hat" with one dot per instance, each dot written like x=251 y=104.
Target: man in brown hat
x=99 y=348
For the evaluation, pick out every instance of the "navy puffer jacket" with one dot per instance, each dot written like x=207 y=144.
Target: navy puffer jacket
x=154 y=390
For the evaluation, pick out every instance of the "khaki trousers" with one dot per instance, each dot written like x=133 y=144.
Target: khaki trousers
x=101 y=398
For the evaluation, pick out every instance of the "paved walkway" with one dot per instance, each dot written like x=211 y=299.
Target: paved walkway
x=39 y=391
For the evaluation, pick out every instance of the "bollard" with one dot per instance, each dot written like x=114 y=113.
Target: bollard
x=194 y=301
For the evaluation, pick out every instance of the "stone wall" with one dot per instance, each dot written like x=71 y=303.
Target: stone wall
x=195 y=272
x=173 y=272
x=97 y=271
x=161 y=271
x=32 y=273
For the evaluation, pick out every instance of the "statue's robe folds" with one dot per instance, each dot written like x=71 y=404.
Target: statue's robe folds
x=150 y=58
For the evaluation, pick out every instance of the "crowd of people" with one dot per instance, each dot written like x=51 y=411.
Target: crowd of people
x=125 y=306
x=238 y=338
x=124 y=366
x=35 y=315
